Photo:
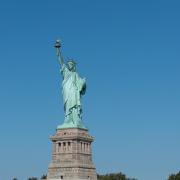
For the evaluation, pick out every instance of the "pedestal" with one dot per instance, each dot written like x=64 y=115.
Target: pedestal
x=72 y=155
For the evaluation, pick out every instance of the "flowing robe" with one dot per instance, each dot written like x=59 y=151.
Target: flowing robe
x=73 y=86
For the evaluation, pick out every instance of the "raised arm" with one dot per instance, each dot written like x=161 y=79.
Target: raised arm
x=60 y=58
x=58 y=52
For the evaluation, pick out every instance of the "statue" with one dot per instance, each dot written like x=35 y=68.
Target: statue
x=73 y=87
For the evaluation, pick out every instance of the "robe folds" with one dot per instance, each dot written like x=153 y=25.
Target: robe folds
x=73 y=87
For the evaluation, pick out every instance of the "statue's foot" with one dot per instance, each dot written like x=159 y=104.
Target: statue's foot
x=71 y=125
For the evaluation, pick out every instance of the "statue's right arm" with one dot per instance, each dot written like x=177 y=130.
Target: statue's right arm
x=61 y=59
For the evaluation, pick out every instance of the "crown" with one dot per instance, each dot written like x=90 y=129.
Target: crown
x=71 y=61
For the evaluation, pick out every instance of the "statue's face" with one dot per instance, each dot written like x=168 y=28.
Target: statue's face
x=71 y=66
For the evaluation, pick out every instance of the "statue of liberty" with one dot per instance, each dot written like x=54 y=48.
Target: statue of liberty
x=73 y=87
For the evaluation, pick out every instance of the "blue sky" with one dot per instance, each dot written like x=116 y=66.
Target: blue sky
x=129 y=52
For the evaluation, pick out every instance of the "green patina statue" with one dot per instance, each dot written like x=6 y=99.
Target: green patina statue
x=73 y=87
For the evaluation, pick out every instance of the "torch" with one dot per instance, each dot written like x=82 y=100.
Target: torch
x=57 y=46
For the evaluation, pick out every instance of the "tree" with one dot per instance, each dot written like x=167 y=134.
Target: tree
x=33 y=178
x=174 y=176
x=14 y=178
x=114 y=176
x=44 y=176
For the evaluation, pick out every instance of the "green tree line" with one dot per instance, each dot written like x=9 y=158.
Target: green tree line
x=112 y=176
x=174 y=176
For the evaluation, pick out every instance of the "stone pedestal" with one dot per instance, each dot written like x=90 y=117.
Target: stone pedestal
x=72 y=155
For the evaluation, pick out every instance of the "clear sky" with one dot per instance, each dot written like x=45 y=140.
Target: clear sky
x=129 y=52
